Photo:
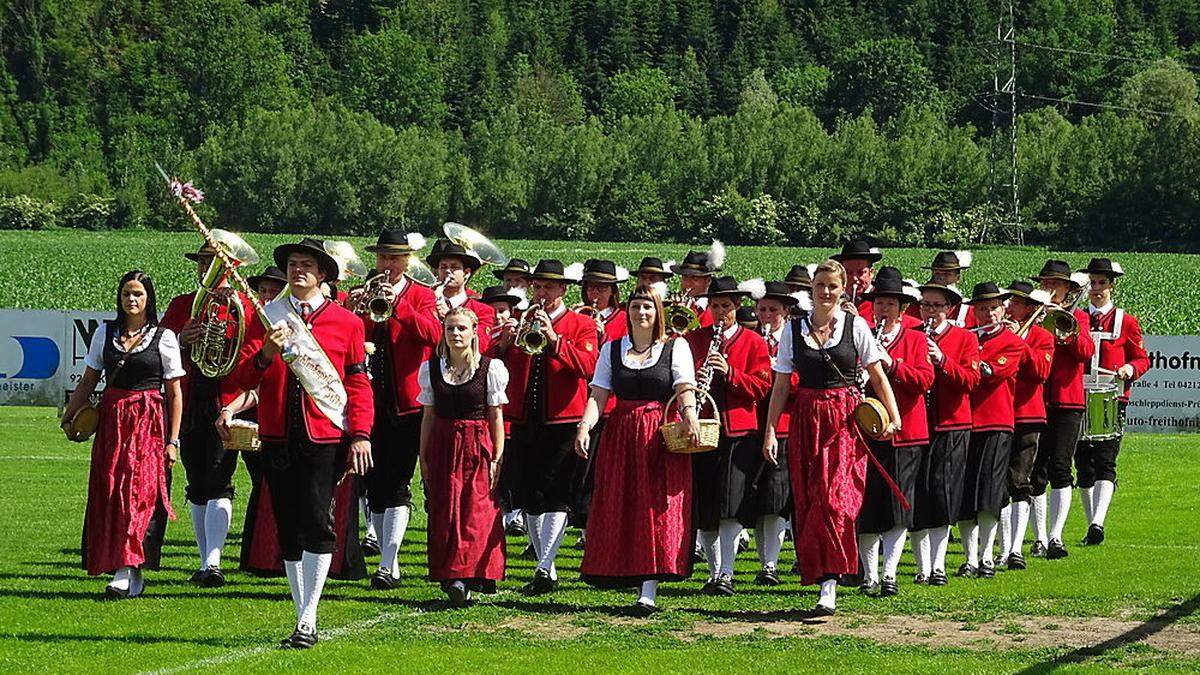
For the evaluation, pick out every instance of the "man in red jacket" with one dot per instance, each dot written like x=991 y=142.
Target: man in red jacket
x=1064 y=413
x=1120 y=351
x=992 y=420
x=209 y=468
x=695 y=274
x=402 y=343
x=308 y=445
x=859 y=259
x=955 y=356
x=947 y=269
x=739 y=378
x=454 y=267
x=547 y=392
x=1029 y=412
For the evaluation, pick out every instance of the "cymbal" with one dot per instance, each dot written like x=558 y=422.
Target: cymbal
x=468 y=238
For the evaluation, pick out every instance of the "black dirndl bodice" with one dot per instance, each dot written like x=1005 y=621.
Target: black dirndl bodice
x=466 y=401
x=647 y=384
x=142 y=371
x=825 y=368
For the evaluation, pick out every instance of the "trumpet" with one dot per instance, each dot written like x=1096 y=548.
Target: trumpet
x=681 y=317
x=530 y=338
x=377 y=299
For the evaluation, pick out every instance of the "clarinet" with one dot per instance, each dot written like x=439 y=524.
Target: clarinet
x=705 y=377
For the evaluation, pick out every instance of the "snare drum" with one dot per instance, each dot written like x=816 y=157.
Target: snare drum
x=1101 y=416
x=243 y=436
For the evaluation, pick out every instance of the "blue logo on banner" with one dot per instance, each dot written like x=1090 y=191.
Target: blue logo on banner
x=39 y=358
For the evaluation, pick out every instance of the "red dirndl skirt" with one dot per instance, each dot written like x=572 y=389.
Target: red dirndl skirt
x=127 y=481
x=639 y=525
x=827 y=458
x=465 y=531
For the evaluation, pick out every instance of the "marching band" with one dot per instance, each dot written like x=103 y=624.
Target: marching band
x=843 y=403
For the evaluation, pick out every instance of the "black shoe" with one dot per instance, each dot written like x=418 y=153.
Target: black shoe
x=822 y=610
x=987 y=571
x=580 y=543
x=743 y=545
x=767 y=577
x=644 y=609
x=967 y=571
x=457 y=592
x=850 y=580
x=1038 y=550
x=709 y=587
x=1056 y=550
x=723 y=586
x=888 y=588
x=541 y=584
x=869 y=588
x=197 y=578
x=1016 y=561
x=921 y=580
x=529 y=554
x=938 y=578
x=113 y=593
x=370 y=547
x=515 y=529
x=383 y=580
x=301 y=638
x=213 y=578
x=1095 y=535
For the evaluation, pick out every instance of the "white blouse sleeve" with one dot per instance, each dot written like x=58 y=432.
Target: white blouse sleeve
x=783 y=358
x=603 y=375
x=869 y=351
x=168 y=352
x=425 y=396
x=95 y=353
x=497 y=383
x=683 y=369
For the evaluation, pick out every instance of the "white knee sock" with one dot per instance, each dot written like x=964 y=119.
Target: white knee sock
x=137 y=582
x=712 y=553
x=511 y=516
x=295 y=577
x=1039 y=519
x=968 y=531
x=1060 y=506
x=395 y=522
x=893 y=549
x=372 y=524
x=939 y=539
x=1006 y=531
x=198 y=518
x=730 y=532
x=217 y=516
x=1020 y=516
x=122 y=578
x=987 y=538
x=769 y=538
x=828 y=593
x=1085 y=500
x=315 y=569
x=868 y=556
x=554 y=526
x=921 y=554
x=1103 y=497
x=649 y=592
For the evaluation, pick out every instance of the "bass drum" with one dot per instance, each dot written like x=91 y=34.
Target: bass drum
x=1101 y=416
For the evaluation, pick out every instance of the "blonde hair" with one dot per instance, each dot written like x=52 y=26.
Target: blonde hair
x=831 y=266
x=647 y=292
x=473 y=355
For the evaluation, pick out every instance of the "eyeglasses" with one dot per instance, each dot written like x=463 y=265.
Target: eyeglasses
x=934 y=305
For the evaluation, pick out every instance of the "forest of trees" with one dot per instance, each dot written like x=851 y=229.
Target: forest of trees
x=759 y=121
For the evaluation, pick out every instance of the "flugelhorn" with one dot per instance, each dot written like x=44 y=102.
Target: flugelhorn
x=680 y=316
x=221 y=314
x=377 y=299
x=530 y=338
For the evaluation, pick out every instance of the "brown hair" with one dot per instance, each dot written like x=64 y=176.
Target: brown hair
x=644 y=292
x=473 y=355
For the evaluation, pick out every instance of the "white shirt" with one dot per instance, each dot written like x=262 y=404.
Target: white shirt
x=399 y=286
x=1101 y=311
x=728 y=332
x=868 y=350
x=457 y=300
x=607 y=312
x=890 y=336
x=497 y=382
x=168 y=351
x=683 y=370
x=315 y=303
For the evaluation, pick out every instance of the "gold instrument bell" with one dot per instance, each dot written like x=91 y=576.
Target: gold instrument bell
x=475 y=242
x=220 y=312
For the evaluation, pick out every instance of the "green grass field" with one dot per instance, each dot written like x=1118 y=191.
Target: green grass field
x=1145 y=578
x=65 y=269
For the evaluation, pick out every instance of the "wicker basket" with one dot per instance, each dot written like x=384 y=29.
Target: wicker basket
x=243 y=436
x=675 y=434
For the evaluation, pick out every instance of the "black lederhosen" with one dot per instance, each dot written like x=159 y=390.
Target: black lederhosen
x=985 y=486
x=208 y=466
x=1020 y=461
x=1056 y=448
x=545 y=453
x=940 y=479
x=723 y=482
x=585 y=478
x=395 y=442
x=1097 y=460
x=881 y=511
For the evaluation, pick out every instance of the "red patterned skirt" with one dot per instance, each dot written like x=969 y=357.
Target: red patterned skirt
x=261 y=554
x=127 y=482
x=465 y=531
x=639 y=525
x=827 y=458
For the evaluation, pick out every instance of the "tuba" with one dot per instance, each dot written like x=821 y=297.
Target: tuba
x=220 y=312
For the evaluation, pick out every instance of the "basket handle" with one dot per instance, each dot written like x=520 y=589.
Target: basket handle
x=708 y=396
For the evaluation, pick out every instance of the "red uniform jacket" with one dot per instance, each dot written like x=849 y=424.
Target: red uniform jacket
x=992 y=398
x=569 y=370
x=911 y=376
x=867 y=311
x=412 y=333
x=179 y=310
x=1064 y=389
x=615 y=326
x=959 y=313
x=956 y=376
x=748 y=382
x=340 y=334
x=1123 y=347
x=785 y=417
x=1029 y=401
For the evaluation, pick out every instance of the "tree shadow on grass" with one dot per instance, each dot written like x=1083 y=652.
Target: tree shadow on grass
x=54 y=638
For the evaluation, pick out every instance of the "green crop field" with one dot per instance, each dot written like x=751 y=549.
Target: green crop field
x=1133 y=600
x=77 y=270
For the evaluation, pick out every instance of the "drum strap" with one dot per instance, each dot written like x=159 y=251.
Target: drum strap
x=1099 y=336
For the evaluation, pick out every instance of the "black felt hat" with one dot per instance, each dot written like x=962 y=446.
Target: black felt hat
x=781 y=291
x=500 y=294
x=550 y=270
x=444 y=248
x=951 y=261
x=858 y=250
x=652 y=265
x=514 y=265
x=272 y=273
x=205 y=250
x=724 y=286
x=603 y=272
x=396 y=242
x=800 y=276
x=953 y=296
x=746 y=318
x=1054 y=269
x=1026 y=291
x=889 y=283
x=987 y=290
x=316 y=249
x=1104 y=266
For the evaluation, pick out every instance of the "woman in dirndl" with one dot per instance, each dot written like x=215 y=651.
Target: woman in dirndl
x=137 y=441
x=827 y=455
x=462 y=447
x=640 y=526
